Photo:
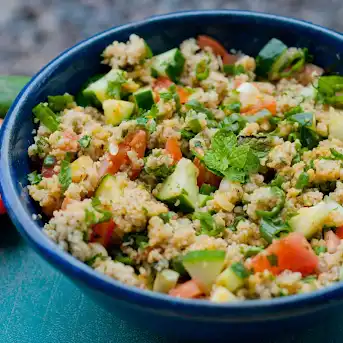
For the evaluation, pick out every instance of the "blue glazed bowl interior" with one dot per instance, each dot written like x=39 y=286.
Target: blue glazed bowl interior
x=243 y=31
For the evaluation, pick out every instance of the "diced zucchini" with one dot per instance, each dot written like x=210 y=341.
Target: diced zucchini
x=109 y=189
x=165 y=281
x=180 y=189
x=169 y=64
x=204 y=266
x=230 y=280
x=310 y=220
x=117 y=110
x=336 y=125
x=222 y=295
x=268 y=56
x=98 y=91
x=144 y=98
x=79 y=168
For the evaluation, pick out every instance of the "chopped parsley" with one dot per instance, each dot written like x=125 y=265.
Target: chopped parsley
x=34 y=178
x=64 y=176
x=240 y=270
x=273 y=260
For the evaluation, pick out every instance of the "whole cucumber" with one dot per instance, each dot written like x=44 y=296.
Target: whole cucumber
x=10 y=86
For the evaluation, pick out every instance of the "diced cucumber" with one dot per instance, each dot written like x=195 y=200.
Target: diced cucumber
x=195 y=121
x=310 y=220
x=204 y=266
x=169 y=64
x=79 y=168
x=230 y=280
x=98 y=91
x=222 y=295
x=203 y=199
x=109 y=189
x=144 y=98
x=259 y=116
x=165 y=281
x=268 y=56
x=336 y=125
x=180 y=189
x=117 y=110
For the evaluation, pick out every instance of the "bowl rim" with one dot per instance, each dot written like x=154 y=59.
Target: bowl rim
x=72 y=266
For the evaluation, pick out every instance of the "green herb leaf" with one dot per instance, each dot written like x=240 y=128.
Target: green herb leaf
x=240 y=270
x=270 y=229
x=278 y=181
x=166 y=217
x=198 y=107
x=188 y=135
x=302 y=181
x=337 y=155
x=309 y=279
x=208 y=224
x=234 y=123
x=232 y=69
x=124 y=259
x=252 y=251
x=91 y=260
x=319 y=249
x=309 y=138
x=235 y=175
x=47 y=117
x=64 y=176
x=273 y=260
x=58 y=103
x=330 y=90
x=85 y=141
x=34 y=178
x=207 y=189
x=293 y=110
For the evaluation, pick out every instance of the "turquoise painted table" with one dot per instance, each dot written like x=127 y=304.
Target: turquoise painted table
x=39 y=305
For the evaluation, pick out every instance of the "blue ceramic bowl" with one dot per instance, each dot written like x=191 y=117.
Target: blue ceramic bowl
x=246 y=31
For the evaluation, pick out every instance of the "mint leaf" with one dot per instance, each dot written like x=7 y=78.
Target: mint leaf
x=235 y=175
x=244 y=158
x=260 y=146
x=223 y=142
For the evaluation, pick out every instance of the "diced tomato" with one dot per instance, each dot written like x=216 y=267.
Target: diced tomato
x=164 y=82
x=65 y=203
x=205 y=176
x=268 y=104
x=206 y=41
x=292 y=252
x=183 y=94
x=339 y=232
x=308 y=74
x=102 y=233
x=189 y=290
x=137 y=142
x=2 y=207
x=173 y=149
x=48 y=171
x=332 y=241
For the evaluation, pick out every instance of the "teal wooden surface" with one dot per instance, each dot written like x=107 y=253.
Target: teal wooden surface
x=38 y=304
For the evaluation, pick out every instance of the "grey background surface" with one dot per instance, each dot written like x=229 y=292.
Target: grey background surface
x=32 y=32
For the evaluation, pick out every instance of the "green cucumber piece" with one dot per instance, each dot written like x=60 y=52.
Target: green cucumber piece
x=109 y=189
x=116 y=111
x=203 y=199
x=193 y=121
x=310 y=220
x=222 y=295
x=10 y=86
x=230 y=280
x=204 y=266
x=165 y=281
x=180 y=189
x=268 y=56
x=169 y=64
x=144 y=98
x=107 y=87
